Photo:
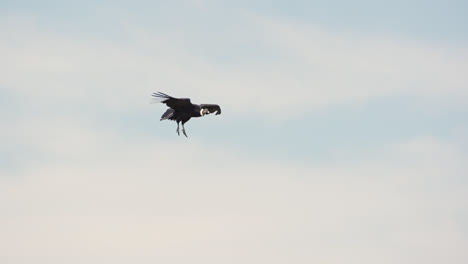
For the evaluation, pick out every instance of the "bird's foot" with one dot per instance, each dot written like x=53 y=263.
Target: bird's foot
x=183 y=131
x=178 y=131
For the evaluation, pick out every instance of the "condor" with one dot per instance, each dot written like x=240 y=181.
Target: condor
x=181 y=109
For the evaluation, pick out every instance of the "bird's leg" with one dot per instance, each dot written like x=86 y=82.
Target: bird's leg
x=183 y=130
x=178 y=129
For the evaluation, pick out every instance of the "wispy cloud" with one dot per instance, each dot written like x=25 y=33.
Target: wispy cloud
x=312 y=67
x=139 y=201
x=84 y=191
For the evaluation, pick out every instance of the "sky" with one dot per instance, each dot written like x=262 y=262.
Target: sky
x=342 y=138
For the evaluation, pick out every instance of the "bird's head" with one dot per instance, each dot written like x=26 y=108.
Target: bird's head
x=209 y=108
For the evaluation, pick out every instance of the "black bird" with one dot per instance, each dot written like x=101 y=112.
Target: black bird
x=181 y=109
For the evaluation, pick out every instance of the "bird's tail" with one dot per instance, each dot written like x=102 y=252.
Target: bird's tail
x=168 y=114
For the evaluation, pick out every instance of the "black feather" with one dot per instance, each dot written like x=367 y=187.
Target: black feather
x=182 y=109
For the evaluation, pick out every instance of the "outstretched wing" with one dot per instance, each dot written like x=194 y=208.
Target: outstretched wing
x=174 y=103
x=212 y=108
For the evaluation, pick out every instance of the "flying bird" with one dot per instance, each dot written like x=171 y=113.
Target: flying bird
x=181 y=109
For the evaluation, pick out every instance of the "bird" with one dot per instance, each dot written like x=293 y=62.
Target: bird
x=182 y=110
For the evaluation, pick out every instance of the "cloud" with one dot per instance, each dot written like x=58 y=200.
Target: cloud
x=277 y=66
x=104 y=196
x=84 y=192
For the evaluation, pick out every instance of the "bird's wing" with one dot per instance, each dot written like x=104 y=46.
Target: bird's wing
x=169 y=114
x=174 y=103
x=212 y=108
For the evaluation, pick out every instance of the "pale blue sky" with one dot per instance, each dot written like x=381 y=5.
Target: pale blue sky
x=342 y=137
x=417 y=18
